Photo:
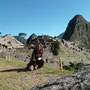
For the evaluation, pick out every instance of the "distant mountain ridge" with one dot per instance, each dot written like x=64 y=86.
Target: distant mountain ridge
x=61 y=35
x=21 y=39
x=78 y=30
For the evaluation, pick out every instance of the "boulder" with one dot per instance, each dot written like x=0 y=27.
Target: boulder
x=79 y=80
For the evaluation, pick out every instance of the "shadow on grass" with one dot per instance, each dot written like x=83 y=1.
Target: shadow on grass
x=16 y=70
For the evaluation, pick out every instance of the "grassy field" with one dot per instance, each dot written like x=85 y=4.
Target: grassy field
x=13 y=75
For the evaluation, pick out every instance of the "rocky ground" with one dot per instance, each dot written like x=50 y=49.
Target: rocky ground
x=79 y=80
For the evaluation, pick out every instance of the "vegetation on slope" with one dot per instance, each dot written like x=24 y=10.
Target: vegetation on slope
x=21 y=39
x=78 y=30
x=73 y=66
x=55 y=48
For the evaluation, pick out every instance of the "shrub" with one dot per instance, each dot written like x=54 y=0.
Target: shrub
x=67 y=67
x=55 y=48
x=79 y=65
x=73 y=66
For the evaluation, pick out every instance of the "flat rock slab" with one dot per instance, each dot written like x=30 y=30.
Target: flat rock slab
x=79 y=80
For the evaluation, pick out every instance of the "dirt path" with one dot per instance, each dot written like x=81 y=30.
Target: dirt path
x=14 y=77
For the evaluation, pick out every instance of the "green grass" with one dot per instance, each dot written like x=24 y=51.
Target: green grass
x=46 y=67
x=13 y=76
x=57 y=70
x=20 y=63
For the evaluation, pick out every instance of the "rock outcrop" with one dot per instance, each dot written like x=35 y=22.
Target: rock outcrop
x=31 y=38
x=78 y=30
x=79 y=80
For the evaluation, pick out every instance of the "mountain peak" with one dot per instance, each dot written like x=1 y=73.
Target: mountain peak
x=78 y=30
x=78 y=18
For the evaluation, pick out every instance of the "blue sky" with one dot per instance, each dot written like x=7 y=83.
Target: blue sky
x=43 y=17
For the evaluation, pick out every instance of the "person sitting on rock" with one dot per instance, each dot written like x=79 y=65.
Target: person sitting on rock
x=36 y=60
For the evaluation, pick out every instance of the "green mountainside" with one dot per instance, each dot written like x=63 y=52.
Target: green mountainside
x=78 y=30
x=21 y=39
x=61 y=35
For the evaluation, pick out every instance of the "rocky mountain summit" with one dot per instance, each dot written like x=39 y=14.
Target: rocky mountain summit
x=79 y=80
x=78 y=30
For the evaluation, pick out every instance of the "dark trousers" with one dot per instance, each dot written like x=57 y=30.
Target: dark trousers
x=38 y=63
